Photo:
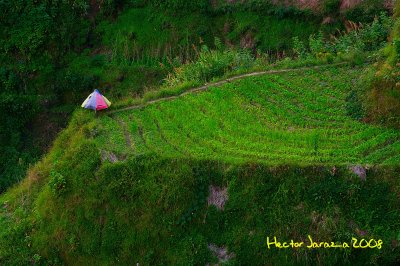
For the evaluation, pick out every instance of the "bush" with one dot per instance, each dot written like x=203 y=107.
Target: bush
x=348 y=46
x=383 y=98
x=299 y=48
x=57 y=183
x=369 y=37
x=210 y=64
x=15 y=100
x=354 y=105
x=71 y=86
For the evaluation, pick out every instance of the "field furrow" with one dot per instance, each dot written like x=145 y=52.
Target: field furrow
x=293 y=117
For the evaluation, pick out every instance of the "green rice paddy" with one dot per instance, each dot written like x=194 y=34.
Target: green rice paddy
x=294 y=117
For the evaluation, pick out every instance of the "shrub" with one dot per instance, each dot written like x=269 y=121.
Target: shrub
x=57 y=183
x=317 y=44
x=396 y=44
x=354 y=106
x=299 y=48
x=369 y=37
x=209 y=65
x=383 y=97
x=71 y=85
x=349 y=46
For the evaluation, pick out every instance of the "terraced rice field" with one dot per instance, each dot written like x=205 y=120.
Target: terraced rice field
x=294 y=117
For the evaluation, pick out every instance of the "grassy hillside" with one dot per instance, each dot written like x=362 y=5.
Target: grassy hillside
x=126 y=47
x=296 y=117
x=201 y=176
x=383 y=98
x=133 y=187
x=121 y=46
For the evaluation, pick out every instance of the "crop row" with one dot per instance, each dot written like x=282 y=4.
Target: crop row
x=285 y=118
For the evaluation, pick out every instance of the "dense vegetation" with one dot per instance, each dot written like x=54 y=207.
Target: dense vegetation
x=31 y=55
x=133 y=186
x=153 y=211
x=124 y=46
x=303 y=151
x=383 y=97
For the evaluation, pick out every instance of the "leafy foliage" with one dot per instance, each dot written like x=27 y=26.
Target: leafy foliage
x=149 y=207
x=365 y=11
x=57 y=183
x=125 y=47
x=359 y=39
x=210 y=64
x=383 y=98
x=33 y=72
x=332 y=7
x=14 y=101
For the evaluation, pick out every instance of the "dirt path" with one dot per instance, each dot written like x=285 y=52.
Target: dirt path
x=222 y=82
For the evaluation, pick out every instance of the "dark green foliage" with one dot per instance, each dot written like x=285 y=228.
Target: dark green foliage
x=76 y=209
x=17 y=107
x=141 y=210
x=182 y=6
x=209 y=65
x=383 y=97
x=74 y=85
x=266 y=7
x=30 y=49
x=61 y=50
x=365 y=11
x=332 y=7
x=201 y=193
x=30 y=27
x=354 y=105
x=396 y=44
x=57 y=183
x=37 y=41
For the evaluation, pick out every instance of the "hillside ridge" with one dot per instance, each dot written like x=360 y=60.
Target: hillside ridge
x=298 y=116
x=219 y=83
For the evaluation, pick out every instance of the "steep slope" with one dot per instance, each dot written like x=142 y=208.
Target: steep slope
x=383 y=97
x=124 y=46
x=295 y=117
x=142 y=186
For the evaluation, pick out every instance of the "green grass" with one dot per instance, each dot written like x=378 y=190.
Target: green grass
x=139 y=33
x=288 y=118
x=141 y=46
x=273 y=32
x=281 y=144
x=153 y=211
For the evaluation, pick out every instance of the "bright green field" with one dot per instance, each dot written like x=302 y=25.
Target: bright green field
x=151 y=207
x=295 y=117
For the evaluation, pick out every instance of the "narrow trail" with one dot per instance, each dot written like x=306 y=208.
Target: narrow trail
x=220 y=83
